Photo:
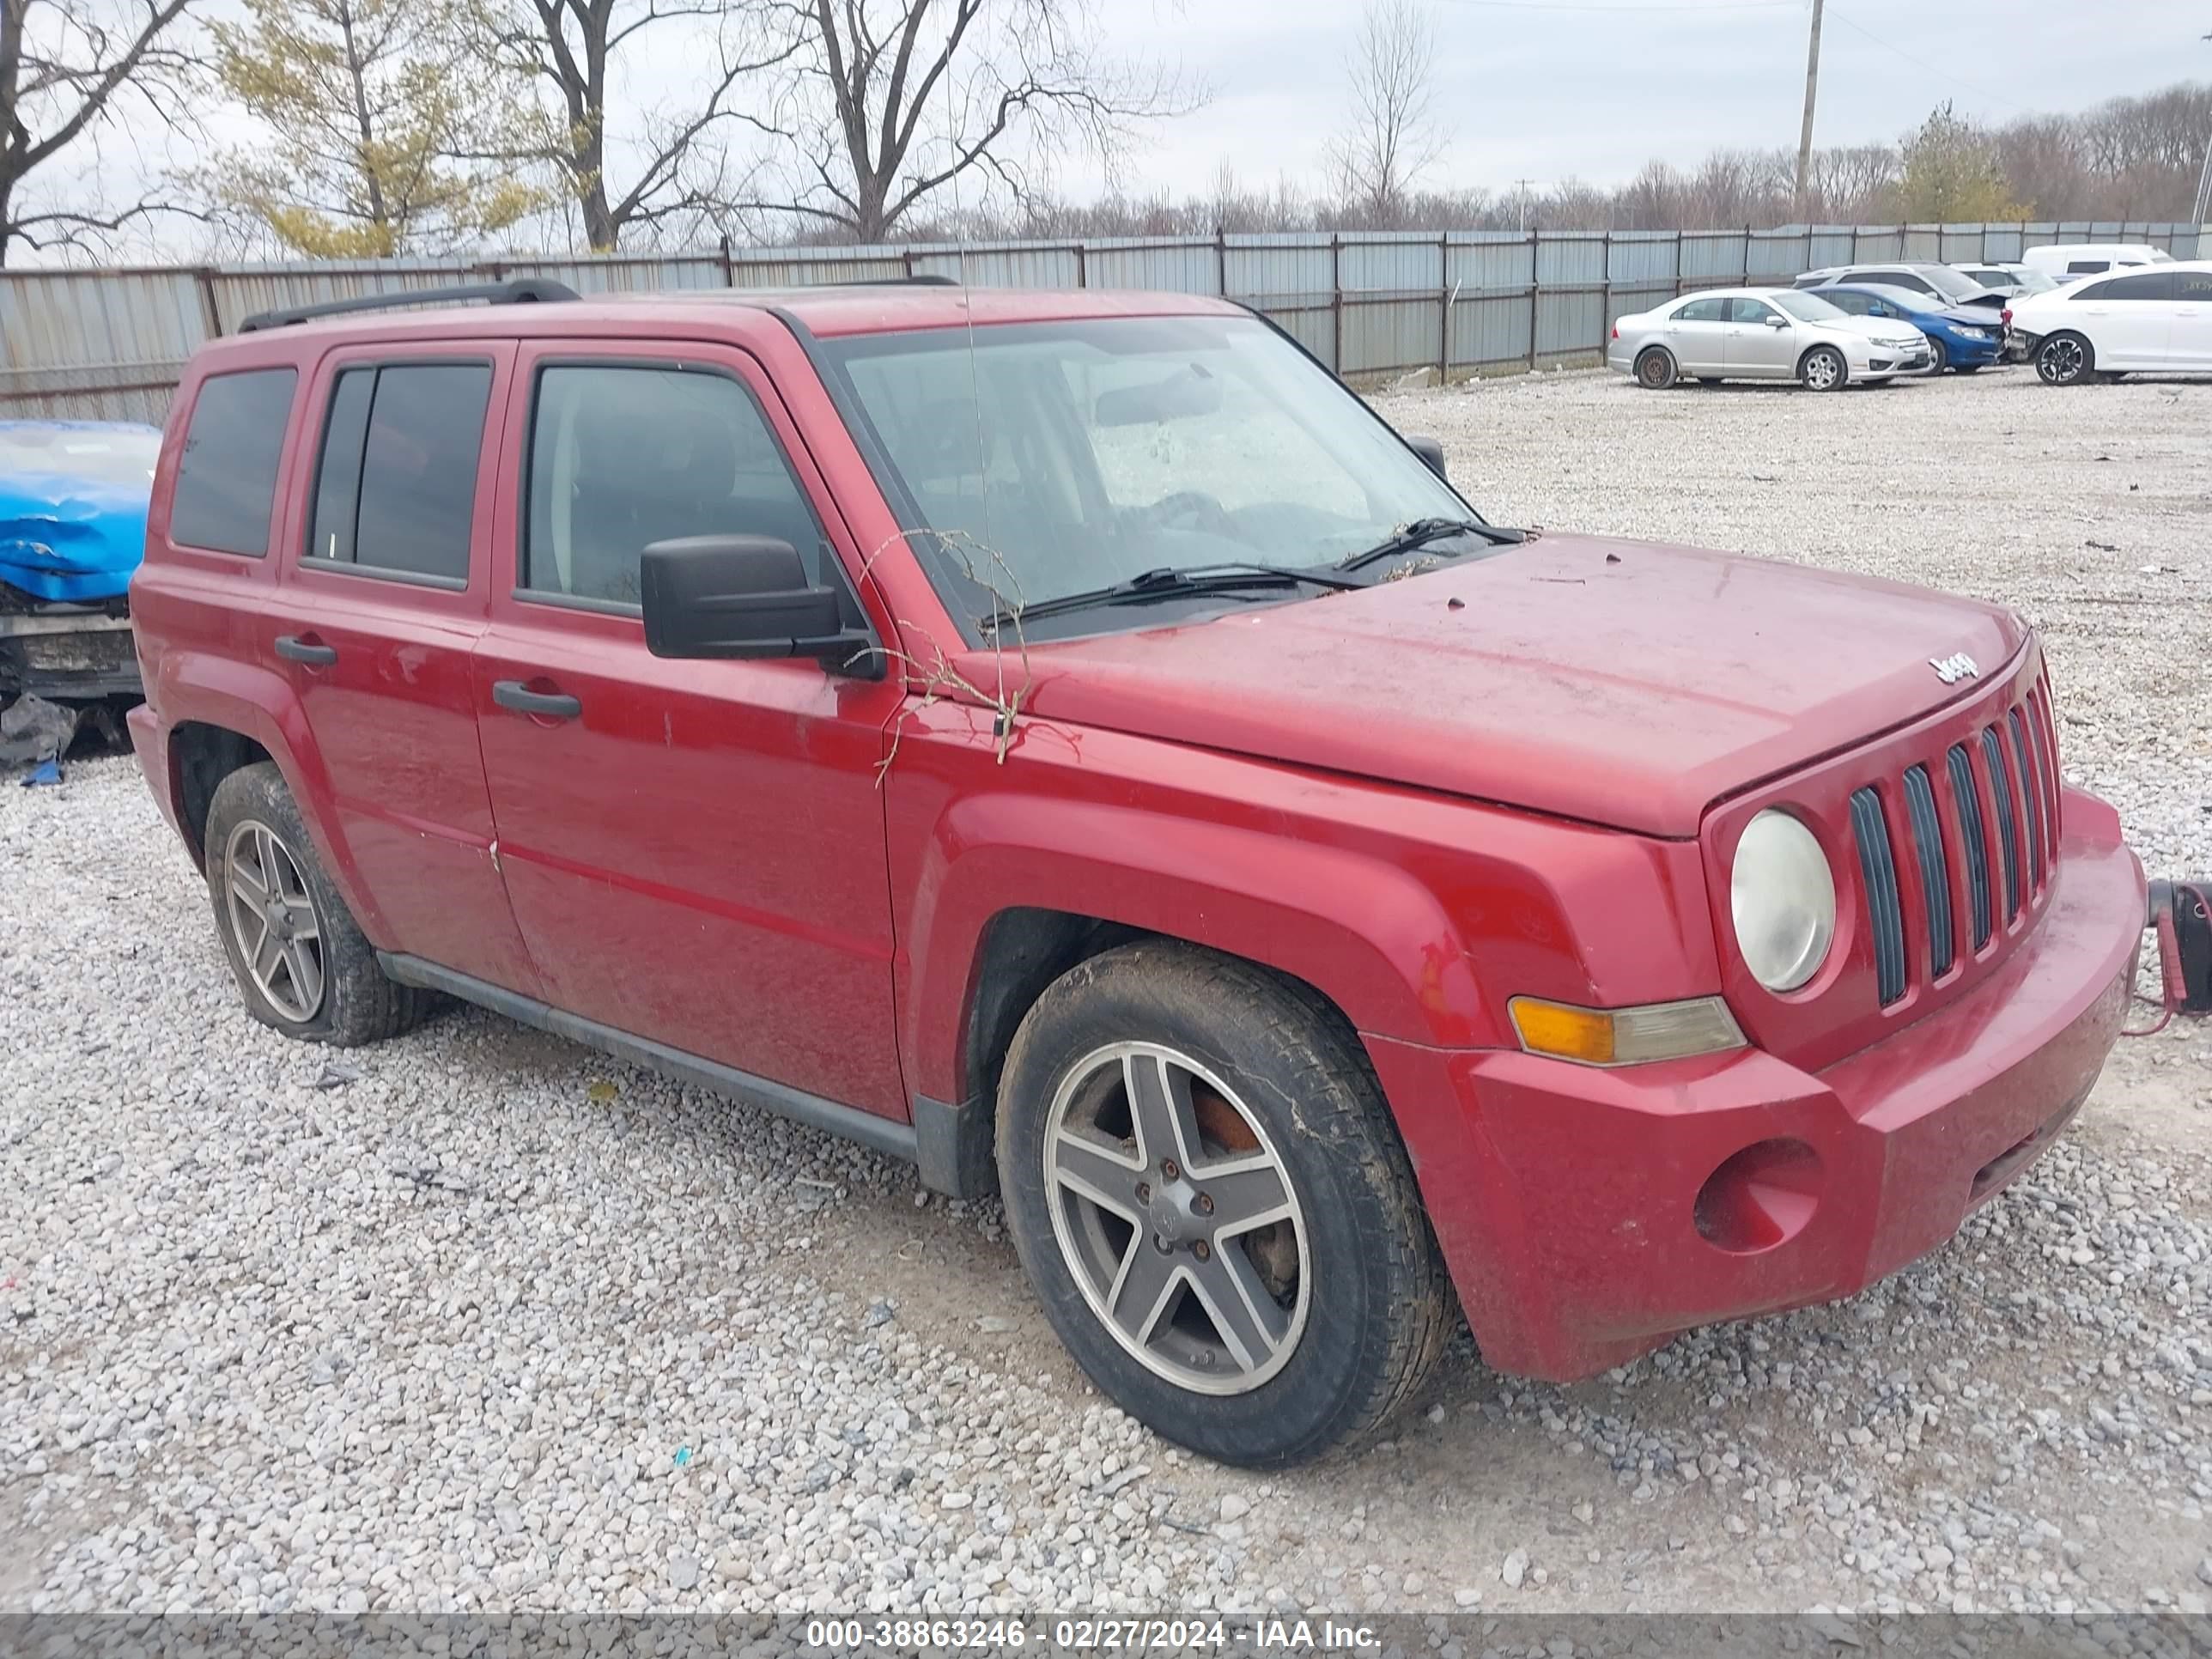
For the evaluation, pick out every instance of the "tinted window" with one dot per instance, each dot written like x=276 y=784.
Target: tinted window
x=1742 y=310
x=2193 y=287
x=1702 y=311
x=397 y=487
x=1905 y=279
x=1857 y=304
x=226 y=481
x=2149 y=285
x=620 y=457
x=2088 y=267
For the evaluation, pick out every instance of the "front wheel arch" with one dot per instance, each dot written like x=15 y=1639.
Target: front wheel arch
x=2065 y=358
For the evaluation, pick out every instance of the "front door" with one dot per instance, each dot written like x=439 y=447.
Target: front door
x=1761 y=344
x=386 y=575
x=695 y=849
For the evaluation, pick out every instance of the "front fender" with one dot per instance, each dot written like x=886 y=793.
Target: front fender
x=1418 y=915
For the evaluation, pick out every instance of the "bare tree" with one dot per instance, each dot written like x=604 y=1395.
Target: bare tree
x=890 y=102
x=67 y=67
x=1393 y=137
x=573 y=48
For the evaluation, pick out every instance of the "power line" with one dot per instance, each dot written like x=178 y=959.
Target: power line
x=1942 y=74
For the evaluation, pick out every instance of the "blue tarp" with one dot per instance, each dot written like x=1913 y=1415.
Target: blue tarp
x=73 y=498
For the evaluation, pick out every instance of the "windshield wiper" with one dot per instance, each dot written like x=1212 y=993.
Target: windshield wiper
x=1422 y=531
x=1170 y=581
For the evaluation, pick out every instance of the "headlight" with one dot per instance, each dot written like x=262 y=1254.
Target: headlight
x=1975 y=333
x=1783 y=897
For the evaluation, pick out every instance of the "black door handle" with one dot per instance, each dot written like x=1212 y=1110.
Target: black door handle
x=513 y=694
x=293 y=648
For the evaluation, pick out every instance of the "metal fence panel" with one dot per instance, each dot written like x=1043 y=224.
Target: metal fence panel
x=1713 y=257
x=1183 y=266
x=622 y=276
x=1392 y=263
x=1391 y=336
x=1311 y=322
x=1569 y=324
x=1480 y=263
x=1279 y=265
x=2001 y=244
x=1641 y=256
x=1776 y=258
x=1571 y=261
x=1489 y=332
x=1830 y=244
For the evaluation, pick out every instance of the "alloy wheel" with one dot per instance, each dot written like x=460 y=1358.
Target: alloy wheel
x=1176 y=1219
x=2061 y=361
x=272 y=917
x=1822 y=371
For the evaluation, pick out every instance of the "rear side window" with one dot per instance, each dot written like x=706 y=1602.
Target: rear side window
x=1857 y=304
x=226 y=481
x=623 y=456
x=1905 y=279
x=2193 y=287
x=2150 y=285
x=396 y=487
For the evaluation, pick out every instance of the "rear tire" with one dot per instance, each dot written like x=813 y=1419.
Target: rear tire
x=1272 y=1111
x=303 y=965
x=1823 y=369
x=1656 y=369
x=2066 y=359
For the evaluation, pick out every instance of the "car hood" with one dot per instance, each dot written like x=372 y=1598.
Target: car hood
x=1876 y=328
x=69 y=538
x=1968 y=317
x=1619 y=683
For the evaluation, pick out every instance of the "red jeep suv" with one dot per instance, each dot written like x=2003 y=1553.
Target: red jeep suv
x=1067 y=741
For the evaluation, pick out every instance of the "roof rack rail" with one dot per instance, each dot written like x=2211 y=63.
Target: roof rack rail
x=521 y=290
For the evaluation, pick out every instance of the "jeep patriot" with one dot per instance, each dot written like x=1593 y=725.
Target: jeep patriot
x=1067 y=741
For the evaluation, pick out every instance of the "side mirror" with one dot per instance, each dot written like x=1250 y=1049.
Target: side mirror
x=1433 y=452
x=745 y=597
x=1774 y=321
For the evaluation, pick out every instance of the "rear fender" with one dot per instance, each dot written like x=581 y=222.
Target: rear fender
x=258 y=702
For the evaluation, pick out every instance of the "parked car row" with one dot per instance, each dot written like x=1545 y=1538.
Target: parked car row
x=2110 y=309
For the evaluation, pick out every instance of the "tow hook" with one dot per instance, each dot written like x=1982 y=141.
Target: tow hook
x=2180 y=914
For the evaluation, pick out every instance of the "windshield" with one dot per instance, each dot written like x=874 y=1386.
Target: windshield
x=1808 y=307
x=1050 y=459
x=123 y=455
x=1947 y=282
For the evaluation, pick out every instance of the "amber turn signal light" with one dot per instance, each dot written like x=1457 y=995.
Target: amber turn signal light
x=1625 y=1037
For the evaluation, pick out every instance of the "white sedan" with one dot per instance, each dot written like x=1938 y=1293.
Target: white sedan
x=2158 y=318
x=1762 y=334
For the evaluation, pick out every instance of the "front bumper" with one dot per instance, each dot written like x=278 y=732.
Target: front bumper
x=66 y=653
x=1587 y=1216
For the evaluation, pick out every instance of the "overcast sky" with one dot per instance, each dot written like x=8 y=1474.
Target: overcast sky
x=1543 y=89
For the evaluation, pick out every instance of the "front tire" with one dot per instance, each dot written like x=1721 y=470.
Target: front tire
x=1207 y=1193
x=1939 y=356
x=1823 y=369
x=2066 y=359
x=1656 y=369
x=303 y=965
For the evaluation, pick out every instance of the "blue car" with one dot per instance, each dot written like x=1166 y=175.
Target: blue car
x=1964 y=338
x=73 y=499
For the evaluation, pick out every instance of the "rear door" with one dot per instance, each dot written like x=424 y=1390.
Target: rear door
x=1754 y=347
x=2129 y=320
x=696 y=849
x=385 y=578
x=1694 y=333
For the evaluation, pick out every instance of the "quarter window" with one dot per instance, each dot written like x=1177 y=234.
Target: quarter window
x=2192 y=288
x=396 y=487
x=621 y=456
x=226 y=481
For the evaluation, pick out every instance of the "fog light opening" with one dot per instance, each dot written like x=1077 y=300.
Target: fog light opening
x=1760 y=1198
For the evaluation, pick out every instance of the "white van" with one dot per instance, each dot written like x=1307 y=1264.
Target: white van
x=2068 y=262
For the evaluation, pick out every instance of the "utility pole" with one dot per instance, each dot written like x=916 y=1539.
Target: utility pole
x=2203 y=210
x=1521 y=187
x=1805 y=133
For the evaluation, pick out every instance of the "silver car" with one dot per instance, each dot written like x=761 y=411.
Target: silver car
x=1762 y=334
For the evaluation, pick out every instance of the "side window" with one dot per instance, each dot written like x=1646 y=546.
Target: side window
x=396 y=487
x=1857 y=304
x=1702 y=311
x=1906 y=279
x=621 y=456
x=226 y=481
x=2192 y=288
x=2150 y=285
x=2088 y=267
x=1744 y=310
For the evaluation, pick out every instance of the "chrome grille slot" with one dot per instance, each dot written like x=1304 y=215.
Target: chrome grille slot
x=2007 y=821
x=1968 y=801
x=1878 y=874
x=1935 y=869
x=2031 y=791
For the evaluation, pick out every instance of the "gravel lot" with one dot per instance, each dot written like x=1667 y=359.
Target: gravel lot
x=478 y=1319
